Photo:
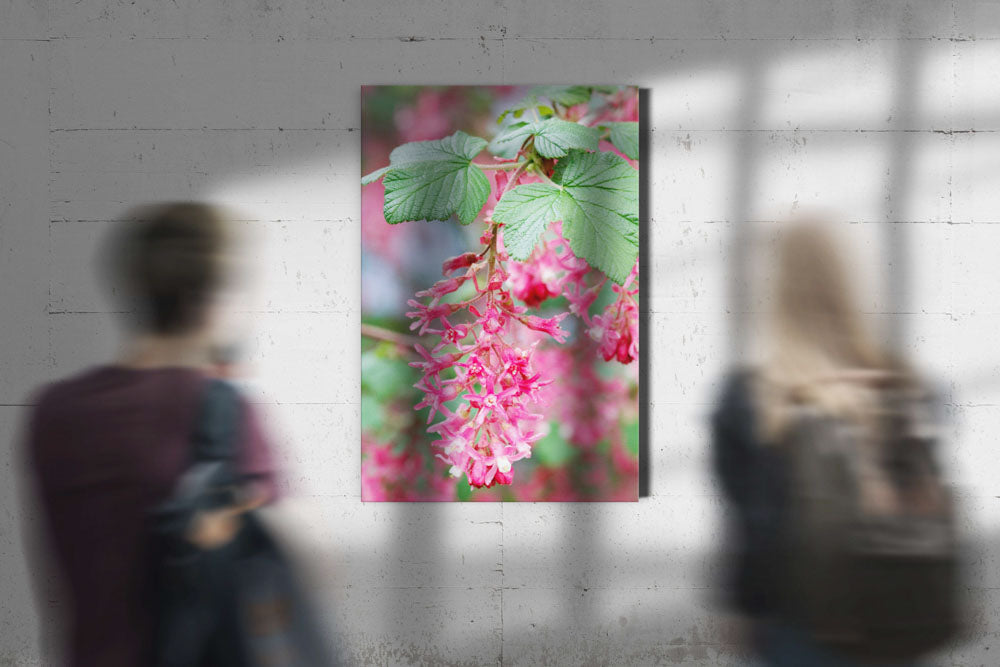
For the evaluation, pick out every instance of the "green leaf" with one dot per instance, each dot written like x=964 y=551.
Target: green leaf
x=567 y=96
x=374 y=176
x=625 y=137
x=554 y=137
x=459 y=146
x=526 y=211
x=596 y=195
x=476 y=194
x=463 y=492
x=509 y=139
x=433 y=180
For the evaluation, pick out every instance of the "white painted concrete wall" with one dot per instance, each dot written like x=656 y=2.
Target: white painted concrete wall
x=887 y=111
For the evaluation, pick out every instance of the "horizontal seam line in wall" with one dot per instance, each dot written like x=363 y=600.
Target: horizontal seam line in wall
x=722 y=38
x=60 y=221
x=204 y=128
x=827 y=130
x=530 y=588
x=848 y=222
x=253 y=402
x=663 y=221
x=240 y=312
x=492 y=37
x=664 y=130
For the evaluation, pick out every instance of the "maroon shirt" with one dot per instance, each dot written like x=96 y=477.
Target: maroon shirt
x=105 y=447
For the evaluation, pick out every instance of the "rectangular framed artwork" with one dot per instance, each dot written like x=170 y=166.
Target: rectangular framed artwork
x=500 y=293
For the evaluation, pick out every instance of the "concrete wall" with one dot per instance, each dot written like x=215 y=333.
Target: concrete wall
x=886 y=111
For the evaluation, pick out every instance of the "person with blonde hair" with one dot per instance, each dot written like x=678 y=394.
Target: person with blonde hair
x=823 y=452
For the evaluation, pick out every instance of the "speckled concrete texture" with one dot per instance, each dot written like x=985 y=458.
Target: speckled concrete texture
x=887 y=112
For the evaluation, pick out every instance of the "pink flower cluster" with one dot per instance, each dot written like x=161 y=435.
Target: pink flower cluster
x=586 y=404
x=398 y=474
x=479 y=364
x=588 y=409
x=551 y=270
x=617 y=328
x=554 y=270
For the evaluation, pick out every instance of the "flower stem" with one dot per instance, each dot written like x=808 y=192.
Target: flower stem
x=380 y=333
x=521 y=167
x=495 y=227
x=546 y=179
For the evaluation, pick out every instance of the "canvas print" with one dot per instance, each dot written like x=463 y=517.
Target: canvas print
x=500 y=293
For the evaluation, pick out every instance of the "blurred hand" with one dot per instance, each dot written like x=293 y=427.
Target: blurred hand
x=211 y=530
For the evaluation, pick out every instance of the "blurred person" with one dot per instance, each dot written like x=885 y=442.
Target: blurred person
x=108 y=445
x=844 y=548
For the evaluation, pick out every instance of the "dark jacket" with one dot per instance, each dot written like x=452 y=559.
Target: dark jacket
x=753 y=477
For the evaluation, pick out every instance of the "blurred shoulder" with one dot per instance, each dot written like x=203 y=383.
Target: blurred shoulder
x=737 y=387
x=57 y=392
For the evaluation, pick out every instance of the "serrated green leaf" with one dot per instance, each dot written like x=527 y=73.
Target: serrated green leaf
x=605 y=228
x=460 y=146
x=509 y=139
x=433 y=180
x=374 y=176
x=567 y=96
x=596 y=195
x=625 y=137
x=477 y=191
x=526 y=211
x=554 y=137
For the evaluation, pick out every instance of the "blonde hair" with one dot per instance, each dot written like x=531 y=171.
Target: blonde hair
x=820 y=343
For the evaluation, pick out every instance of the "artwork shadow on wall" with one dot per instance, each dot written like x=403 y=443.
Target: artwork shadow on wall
x=500 y=293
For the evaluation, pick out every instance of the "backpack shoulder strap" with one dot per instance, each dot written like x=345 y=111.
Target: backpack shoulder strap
x=211 y=475
x=217 y=427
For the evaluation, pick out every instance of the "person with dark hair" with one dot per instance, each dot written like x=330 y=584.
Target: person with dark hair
x=107 y=446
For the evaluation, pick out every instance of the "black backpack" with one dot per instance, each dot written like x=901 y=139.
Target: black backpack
x=871 y=569
x=238 y=605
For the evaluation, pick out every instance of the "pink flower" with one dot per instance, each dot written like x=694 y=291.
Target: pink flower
x=442 y=287
x=462 y=261
x=490 y=376
x=536 y=280
x=485 y=472
x=617 y=328
x=549 y=325
x=425 y=314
